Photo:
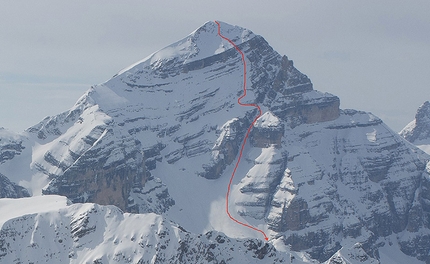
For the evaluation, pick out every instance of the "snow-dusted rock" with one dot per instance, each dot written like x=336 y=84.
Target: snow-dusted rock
x=48 y=230
x=418 y=131
x=268 y=130
x=11 y=145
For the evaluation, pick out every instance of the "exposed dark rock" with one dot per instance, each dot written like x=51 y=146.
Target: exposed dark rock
x=297 y=109
x=8 y=151
x=9 y=189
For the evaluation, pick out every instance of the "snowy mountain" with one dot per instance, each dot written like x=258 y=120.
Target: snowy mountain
x=161 y=138
x=47 y=229
x=418 y=131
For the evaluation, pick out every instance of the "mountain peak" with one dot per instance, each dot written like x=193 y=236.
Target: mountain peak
x=199 y=44
x=423 y=114
x=418 y=131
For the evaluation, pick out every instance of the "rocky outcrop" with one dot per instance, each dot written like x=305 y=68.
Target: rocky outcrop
x=226 y=147
x=267 y=131
x=9 y=189
x=306 y=108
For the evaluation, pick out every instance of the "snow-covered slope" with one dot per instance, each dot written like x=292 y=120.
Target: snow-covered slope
x=418 y=131
x=162 y=136
x=46 y=229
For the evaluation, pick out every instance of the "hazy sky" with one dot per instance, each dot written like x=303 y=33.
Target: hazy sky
x=374 y=55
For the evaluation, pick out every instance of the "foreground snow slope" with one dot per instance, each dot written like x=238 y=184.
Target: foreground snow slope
x=47 y=230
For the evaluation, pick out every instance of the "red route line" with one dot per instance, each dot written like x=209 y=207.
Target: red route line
x=246 y=135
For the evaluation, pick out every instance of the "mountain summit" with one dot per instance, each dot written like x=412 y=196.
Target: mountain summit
x=418 y=131
x=200 y=44
x=162 y=136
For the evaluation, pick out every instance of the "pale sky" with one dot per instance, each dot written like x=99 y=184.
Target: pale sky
x=374 y=55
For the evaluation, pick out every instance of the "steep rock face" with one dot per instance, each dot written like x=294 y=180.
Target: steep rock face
x=306 y=108
x=98 y=169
